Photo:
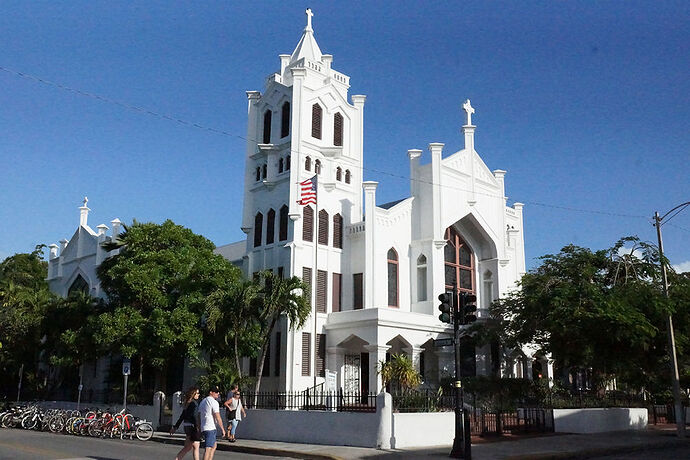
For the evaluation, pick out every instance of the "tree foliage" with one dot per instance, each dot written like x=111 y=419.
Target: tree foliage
x=24 y=299
x=600 y=310
x=157 y=287
x=400 y=372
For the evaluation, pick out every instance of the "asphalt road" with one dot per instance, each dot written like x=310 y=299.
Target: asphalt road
x=32 y=445
x=669 y=453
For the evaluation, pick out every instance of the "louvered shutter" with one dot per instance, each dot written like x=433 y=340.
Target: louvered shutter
x=358 y=288
x=270 y=226
x=306 y=278
x=267 y=127
x=321 y=355
x=321 y=290
x=258 y=229
x=337 y=289
x=323 y=227
x=283 y=232
x=316 y=113
x=338 y=231
x=306 y=354
x=338 y=129
x=308 y=224
x=285 y=120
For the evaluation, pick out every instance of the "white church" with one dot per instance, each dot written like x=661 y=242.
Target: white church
x=375 y=269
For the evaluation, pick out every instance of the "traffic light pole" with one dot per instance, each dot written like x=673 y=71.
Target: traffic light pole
x=461 y=444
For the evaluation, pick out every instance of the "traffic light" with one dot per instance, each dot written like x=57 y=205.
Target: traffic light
x=445 y=307
x=468 y=308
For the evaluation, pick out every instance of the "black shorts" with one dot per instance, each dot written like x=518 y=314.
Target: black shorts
x=193 y=433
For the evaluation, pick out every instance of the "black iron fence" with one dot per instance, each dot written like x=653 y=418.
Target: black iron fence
x=338 y=401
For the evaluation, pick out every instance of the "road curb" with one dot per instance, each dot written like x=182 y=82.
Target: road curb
x=597 y=452
x=273 y=452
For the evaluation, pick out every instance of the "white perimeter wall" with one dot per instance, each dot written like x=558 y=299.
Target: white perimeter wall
x=314 y=427
x=599 y=420
x=422 y=429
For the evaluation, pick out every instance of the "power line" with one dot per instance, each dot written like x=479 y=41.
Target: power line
x=183 y=122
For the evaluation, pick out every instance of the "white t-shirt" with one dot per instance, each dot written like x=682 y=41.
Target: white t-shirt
x=207 y=408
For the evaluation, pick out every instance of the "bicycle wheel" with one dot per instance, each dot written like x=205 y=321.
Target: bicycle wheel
x=29 y=422
x=144 y=431
x=95 y=428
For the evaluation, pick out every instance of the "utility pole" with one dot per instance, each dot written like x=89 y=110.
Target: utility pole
x=680 y=414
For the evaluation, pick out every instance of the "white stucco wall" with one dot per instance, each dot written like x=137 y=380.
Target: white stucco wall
x=422 y=429
x=599 y=420
x=314 y=427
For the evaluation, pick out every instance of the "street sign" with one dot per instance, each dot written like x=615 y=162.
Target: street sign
x=126 y=366
x=438 y=343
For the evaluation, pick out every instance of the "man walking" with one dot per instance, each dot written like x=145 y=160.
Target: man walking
x=209 y=419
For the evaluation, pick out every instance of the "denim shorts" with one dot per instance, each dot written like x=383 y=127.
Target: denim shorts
x=210 y=437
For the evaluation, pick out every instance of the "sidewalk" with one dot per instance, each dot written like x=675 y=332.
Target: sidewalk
x=554 y=446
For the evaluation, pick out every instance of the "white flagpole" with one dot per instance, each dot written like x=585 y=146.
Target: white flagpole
x=315 y=271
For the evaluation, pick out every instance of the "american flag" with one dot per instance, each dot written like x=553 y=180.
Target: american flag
x=308 y=191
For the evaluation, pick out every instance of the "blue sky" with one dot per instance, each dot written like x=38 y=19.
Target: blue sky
x=585 y=104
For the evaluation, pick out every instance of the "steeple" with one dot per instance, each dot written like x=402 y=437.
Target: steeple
x=307 y=46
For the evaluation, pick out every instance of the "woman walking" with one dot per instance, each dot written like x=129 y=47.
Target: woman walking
x=235 y=413
x=189 y=422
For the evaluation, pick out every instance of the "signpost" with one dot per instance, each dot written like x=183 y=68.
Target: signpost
x=126 y=368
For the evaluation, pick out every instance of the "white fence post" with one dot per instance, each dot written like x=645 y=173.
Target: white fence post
x=158 y=404
x=384 y=412
x=177 y=407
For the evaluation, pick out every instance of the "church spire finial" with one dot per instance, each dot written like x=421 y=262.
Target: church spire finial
x=469 y=110
x=309 y=16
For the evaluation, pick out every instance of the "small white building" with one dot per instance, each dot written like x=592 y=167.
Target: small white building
x=376 y=269
x=72 y=267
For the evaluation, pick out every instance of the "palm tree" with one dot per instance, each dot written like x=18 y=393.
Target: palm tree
x=230 y=319
x=279 y=296
x=401 y=371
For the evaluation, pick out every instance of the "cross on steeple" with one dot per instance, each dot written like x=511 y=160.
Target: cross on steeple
x=469 y=110
x=309 y=15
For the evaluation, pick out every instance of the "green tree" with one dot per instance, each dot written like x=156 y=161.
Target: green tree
x=231 y=325
x=601 y=310
x=156 y=287
x=399 y=372
x=279 y=297
x=24 y=298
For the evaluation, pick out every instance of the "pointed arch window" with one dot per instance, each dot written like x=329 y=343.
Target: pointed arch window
x=392 y=278
x=458 y=262
x=339 y=174
x=308 y=224
x=307 y=164
x=264 y=171
x=287 y=163
x=258 y=228
x=316 y=115
x=267 y=127
x=421 y=278
x=78 y=285
x=338 y=231
x=283 y=231
x=323 y=227
x=338 y=129
x=317 y=166
x=285 y=120
x=270 y=226
x=347 y=176
x=258 y=173
x=281 y=165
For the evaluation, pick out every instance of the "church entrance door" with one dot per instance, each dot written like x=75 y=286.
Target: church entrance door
x=352 y=373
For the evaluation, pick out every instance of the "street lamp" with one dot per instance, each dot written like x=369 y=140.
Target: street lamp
x=680 y=415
